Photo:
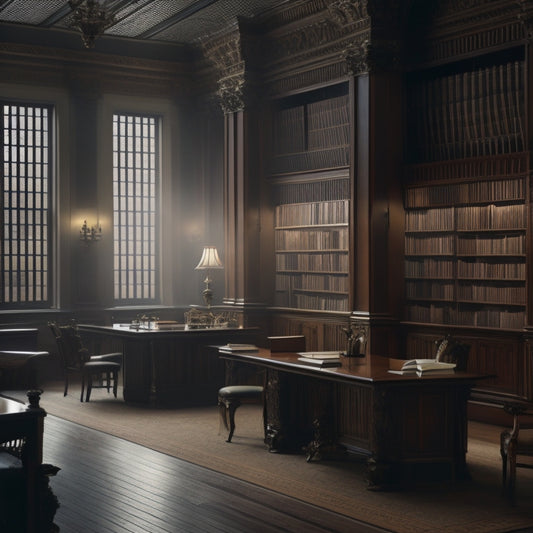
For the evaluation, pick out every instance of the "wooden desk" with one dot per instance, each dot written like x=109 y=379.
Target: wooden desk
x=16 y=362
x=411 y=429
x=167 y=367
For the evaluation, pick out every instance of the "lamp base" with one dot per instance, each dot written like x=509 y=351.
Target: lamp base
x=208 y=296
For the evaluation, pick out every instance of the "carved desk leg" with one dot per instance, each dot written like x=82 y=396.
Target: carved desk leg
x=274 y=432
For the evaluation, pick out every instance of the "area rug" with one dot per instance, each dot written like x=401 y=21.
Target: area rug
x=195 y=435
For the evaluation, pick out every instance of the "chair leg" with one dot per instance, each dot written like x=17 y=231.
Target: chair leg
x=223 y=411
x=66 y=384
x=512 y=471
x=503 y=453
x=115 y=383
x=232 y=407
x=82 y=385
x=108 y=381
x=89 y=387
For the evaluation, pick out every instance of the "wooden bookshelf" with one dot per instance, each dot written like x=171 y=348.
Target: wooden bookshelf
x=311 y=189
x=312 y=260
x=465 y=249
x=476 y=110
x=466 y=193
x=311 y=131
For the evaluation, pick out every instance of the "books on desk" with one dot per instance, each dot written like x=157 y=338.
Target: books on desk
x=239 y=347
x=420 y=367
x=322 y=359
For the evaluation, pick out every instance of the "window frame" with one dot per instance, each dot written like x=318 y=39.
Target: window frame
x=48 y=256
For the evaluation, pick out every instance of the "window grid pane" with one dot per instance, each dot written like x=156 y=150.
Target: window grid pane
x=26 y=154
x=135 y=203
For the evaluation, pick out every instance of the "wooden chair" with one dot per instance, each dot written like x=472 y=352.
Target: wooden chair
x=96 y=371
x=516 y=444
x=27 y=502
x=232 y=396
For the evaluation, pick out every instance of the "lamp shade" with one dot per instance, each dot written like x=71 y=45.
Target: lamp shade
x=209 y=259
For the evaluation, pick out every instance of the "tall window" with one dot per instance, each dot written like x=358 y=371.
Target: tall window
x=135 y=207
x=27 y=170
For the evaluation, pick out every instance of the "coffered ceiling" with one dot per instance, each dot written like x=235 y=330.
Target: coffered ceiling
x=171 y=21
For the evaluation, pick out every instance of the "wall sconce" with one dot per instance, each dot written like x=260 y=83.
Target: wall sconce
x=90 y=234
x=209 y=261
x=91 y=18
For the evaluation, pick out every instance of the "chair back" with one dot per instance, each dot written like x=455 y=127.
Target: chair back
x=71 y=350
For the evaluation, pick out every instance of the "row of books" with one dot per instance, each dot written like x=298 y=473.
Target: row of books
x=469 y=114
x=314 y=262
x=328 y=157
x=312 y=239
x=478 y=292
x=313 y=125
x=466 y=193
x=496 y=244
x=442 y=219
x=312 y=213
x=473 y=245
x=491 y=217
x=429 y=267
x=338 y=135
x=482 y=270
x=316 y=282
x=475 y=268
x=327 y=302
x=437 y=313
x=430 y=244
x=444 y=290
x=468 y=218
x=434 y=290
x=315 y=190
x=476 y=168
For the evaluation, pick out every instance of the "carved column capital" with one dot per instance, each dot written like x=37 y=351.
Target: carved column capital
x=366 y=57
x=231 y=94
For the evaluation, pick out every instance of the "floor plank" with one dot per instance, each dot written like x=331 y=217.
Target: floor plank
x=109 y=485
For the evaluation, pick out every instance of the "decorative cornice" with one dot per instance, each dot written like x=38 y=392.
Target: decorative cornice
x=525 y=16
x=228 y=53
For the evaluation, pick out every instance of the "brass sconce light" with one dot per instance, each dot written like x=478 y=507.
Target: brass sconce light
x=209 y=261
x=90 y=233
x=91 y=18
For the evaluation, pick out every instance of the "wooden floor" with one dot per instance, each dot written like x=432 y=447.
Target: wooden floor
x=109 y=485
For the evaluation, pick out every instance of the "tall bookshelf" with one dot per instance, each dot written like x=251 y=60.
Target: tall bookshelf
x=309 y=178
x=466 y=194
x=465 y=253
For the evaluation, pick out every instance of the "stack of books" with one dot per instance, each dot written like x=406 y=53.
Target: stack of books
x=321 y=359
x=239 y=347
x=420 y=367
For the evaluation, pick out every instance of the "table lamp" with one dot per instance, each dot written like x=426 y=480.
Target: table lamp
x=209 y=261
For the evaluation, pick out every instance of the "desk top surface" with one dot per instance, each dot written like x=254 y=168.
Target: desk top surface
x=371 y=368
x=178 y=329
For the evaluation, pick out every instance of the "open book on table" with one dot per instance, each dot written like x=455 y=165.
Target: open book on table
x=419 y=366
